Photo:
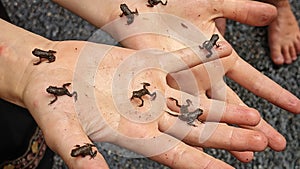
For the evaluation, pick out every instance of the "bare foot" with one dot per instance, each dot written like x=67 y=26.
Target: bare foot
x=284 y=35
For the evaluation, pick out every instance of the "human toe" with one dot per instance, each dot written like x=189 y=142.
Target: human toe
x=287 y=55
x=277 y=57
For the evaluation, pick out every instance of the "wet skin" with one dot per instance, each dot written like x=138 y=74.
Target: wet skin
x=128 y=13
x=151 y=3
x=49 y=55
x=85 y=150
x=60 y=91
x=185 y=115
x=142 y=92
x=209 y=44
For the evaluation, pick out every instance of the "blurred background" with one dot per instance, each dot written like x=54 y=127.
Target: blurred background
x=56 y=23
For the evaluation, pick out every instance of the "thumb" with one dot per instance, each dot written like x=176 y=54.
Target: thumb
x=73 y=145
x=62 y=130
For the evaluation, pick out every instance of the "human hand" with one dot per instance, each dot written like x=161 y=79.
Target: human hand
x=65 y=123
x=125 y=124
x=202 y=15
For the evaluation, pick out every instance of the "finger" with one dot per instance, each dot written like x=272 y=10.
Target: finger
x=213 y=110
x=275 y=140
x=193 y=56
x=261 y=85
x=184 y=156
x=167 y=150
x=243 y=156
x=231 y=96
x=213 y=135
x=62 y=135
x=249 y=12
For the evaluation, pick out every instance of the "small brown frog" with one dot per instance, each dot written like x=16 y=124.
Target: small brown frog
x=128 y=13
x=185 y=115
x=151 y=3
x=49 y=55
x=85 y=150
x=209 y=44
x=60 y=91
x=140 y=93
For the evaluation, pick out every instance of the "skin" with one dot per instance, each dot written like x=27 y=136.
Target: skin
x=203 y=14
x=233 y=64
x=284 y=34
x=65 y=125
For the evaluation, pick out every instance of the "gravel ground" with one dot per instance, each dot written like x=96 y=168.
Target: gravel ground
x=51 y=21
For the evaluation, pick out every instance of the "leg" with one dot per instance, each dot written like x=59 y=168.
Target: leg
x=93 y=154
x=53 y=100
x=176 y=102
x=142 y=102
x=66 y=84
x=38 y=62
x=209 y=53
x=153 y=95
x=191 y=123
x=164 y=3
x=75 y=95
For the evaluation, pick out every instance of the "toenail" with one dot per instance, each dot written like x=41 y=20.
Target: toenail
x=278 y=60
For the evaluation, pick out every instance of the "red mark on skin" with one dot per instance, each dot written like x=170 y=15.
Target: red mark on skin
x=1 y=50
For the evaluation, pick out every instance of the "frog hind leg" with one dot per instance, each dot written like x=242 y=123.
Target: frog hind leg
x=37 y=63
x=130 y=19
x=164 y=3
x=209 y=54
x=93 y=154
x=191 y=123
x=53 y=100
x=153 y=95
x=75 y=95
x=150 y=4
x=142 y=102
x=203 y=44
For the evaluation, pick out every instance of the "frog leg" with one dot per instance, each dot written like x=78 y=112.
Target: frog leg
x=66 y=84
x=175 y=101
x=38 y=62
x=164 y=3
x=142 y=102
x=191 y=123
x=203 y=44
x=53 y=100
x=153 y=95
x=130 y=19
x=150 y=4
x=93 y=154
x=209 y=53
x=75 y=95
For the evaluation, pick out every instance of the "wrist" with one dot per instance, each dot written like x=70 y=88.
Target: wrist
x=16 y=60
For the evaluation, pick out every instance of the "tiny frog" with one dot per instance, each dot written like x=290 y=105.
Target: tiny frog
x=185 y=115
x=85 y=150
x=142 y=92
x=49 y=55
x=209 y=44
x=151 y=3
x=128 y=13
x=60 y=91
